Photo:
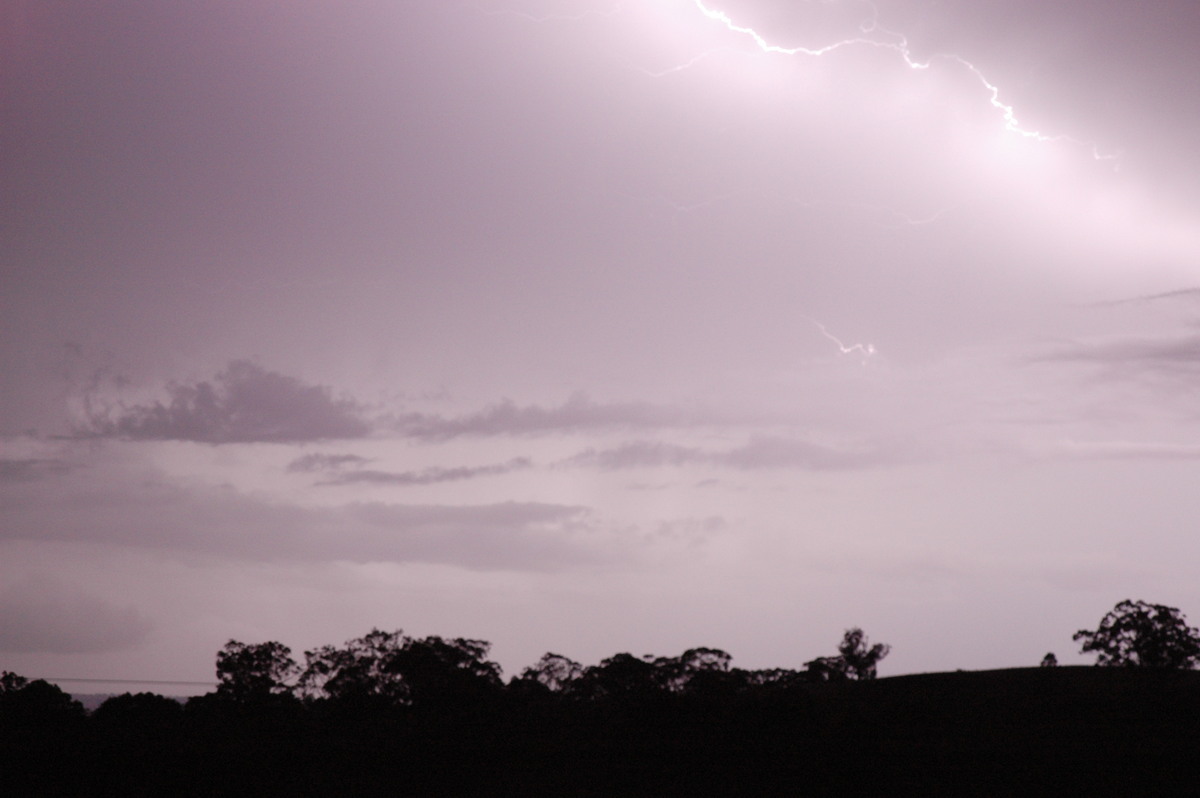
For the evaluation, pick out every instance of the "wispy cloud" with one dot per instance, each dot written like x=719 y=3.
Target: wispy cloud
x=1179 y=293
x=638 y=454
x=578 y=413
x=1118 y=450
x=760 y=452
x=775 y=452
x=310 y=463
x=245 y=403
x=426 y=476
x=1175 y=357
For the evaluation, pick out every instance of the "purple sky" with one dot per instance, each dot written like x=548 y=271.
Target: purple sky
x=589 y=327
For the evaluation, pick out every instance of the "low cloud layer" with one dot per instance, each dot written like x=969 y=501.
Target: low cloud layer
x=245 y=403
x=1167 y=356
x=46 y=617
x=221 y=522
x=30 y=468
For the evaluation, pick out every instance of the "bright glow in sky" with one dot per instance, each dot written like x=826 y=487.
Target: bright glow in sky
x=591 y=327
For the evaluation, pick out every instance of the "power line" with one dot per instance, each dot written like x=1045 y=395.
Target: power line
x=128 y=681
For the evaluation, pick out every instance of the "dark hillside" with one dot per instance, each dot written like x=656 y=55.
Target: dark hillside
x=1035 y=731
x=1111 y=731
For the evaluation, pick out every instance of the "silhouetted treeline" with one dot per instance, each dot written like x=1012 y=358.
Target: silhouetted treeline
x=387 y=714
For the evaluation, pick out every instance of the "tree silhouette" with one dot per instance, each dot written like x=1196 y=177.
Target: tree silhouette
x=554 y=672
x=251 y=671
x=11 y=682
x=440 y=672
x=393 y=669
x=1137 y=634
x=621 y=677
x=860 y=657
x=695 y=670
x=856 y=659
x=359 y=670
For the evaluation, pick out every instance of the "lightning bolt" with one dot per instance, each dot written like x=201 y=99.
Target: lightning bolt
x=865 y=350
x=901 y=48
x=680 y=67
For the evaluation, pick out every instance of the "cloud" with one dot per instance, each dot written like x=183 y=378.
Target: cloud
x=578 y=413
x=324 y=462
x=245 y=403
x=43 y=616
x=1156 y=353
x=32 y=468
x=129 y=511
x=1119 y=450
x=692 y=531
x=759 y=453
x=638 y=454
x=1176 y=358
x=427 y=476
x=1179 y=293
x=773 y=452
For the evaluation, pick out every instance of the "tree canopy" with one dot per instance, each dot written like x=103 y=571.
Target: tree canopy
x=1138 y=634
x=856 y=659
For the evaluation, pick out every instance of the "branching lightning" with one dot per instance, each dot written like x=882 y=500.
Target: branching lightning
x=899 y=45
x=869 y=28
x=871 y=34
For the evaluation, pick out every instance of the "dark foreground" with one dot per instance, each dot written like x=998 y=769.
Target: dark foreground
x=1048 y=731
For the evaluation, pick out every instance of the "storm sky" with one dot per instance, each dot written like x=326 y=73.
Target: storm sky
x=589 y=327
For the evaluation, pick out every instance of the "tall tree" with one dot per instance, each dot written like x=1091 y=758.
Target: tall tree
x=554 y=672
x=860 y=657
x=856 y=659
x=247 y=671
x=1138 y=634
x=361 y=669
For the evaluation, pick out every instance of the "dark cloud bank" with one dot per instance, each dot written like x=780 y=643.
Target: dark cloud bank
x=245 y=403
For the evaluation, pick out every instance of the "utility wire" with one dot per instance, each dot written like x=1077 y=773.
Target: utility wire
x=127 y=681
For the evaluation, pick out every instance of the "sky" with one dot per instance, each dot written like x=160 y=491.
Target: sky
x=591 y=327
